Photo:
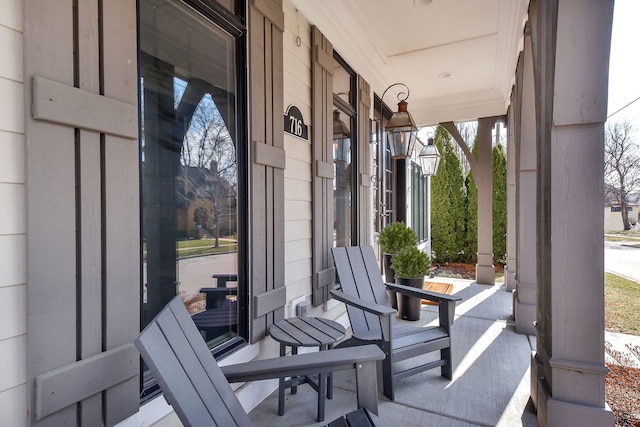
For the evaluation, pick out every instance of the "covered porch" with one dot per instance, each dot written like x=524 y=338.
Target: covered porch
x=72 y=282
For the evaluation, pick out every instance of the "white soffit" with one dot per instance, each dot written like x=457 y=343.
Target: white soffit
x=476 y=43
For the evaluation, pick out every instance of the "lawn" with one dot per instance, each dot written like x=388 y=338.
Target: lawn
x=187 y=248
x=621 y=307
x=622 y=236
x=622 y=304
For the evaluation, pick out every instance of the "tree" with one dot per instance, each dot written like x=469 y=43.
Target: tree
x=499 y=172
x=621 y=165
x=447 y=202
x=471 y=212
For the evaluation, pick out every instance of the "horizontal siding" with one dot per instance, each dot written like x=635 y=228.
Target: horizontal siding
x=11 y=105
x=13 y=357
x=11 y=157
x=12 y=220
x=298 y=272
x=11 y=14
x=299 y=289
x=297 y=184
x=11 y=54
x=12 y=262
x=13 y=390
x=296 y=25
x=13 y=404
x=298 y=229
x=299 y=170
x=298 y=250
x=297 y=148
x=13 y=311
x=295 y=210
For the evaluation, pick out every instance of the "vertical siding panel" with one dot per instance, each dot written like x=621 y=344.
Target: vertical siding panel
x=121 y=306
x=257 y=218
x=269 y=140
x=364 y=164
x=51 y=244
x=66 y=218
x=88 y=152
x=278 y=174
x=321 y=111
x=266 y=215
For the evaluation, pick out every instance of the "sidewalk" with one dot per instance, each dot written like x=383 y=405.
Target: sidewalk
x=626 y=345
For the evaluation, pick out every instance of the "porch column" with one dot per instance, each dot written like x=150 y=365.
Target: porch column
x=510 y=267
x=526 y=281
x=571 y=41
x=485 y=271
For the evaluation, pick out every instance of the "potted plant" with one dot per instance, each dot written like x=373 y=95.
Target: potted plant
x=392 y=239
x=410 y=266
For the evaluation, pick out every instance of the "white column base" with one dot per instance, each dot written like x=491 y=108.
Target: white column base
x=509 y=279
x=485 y=270
x=525 y=315
x=559 y=413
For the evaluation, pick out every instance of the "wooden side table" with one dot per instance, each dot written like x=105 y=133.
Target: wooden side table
x=307 y=332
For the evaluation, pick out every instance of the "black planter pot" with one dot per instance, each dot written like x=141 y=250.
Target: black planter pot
x=390 y=277
x=409 y=307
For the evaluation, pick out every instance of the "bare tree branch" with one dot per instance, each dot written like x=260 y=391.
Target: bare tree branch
x=621 y=165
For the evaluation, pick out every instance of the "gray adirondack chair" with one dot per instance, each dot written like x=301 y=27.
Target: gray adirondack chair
x=199 y=390
x=373 y=321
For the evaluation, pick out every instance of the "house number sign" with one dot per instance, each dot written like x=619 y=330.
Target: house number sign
x=294 y=123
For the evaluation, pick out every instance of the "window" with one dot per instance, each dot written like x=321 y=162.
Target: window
x=383 y=167
x=419 y=202
x=193 y=165
x=344 y=153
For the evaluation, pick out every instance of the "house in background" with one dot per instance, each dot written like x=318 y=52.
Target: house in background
x=207 y=203
x=108 y=106
x=612 y=213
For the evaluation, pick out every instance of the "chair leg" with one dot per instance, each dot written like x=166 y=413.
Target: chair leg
x=281 y=385
x=446 y=370
x=294 y=388
x=387 y=375
x=367 y=386
x=330 y=377
x=322 y=394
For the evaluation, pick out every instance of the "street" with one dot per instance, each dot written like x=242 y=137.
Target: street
x=622 y=259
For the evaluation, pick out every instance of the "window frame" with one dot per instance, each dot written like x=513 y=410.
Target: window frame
x=349 y=108
x=419 y=203
x=235 y=26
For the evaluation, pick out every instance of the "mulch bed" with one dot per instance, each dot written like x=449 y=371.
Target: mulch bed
x=622 y=392
x=456 y=270
x=622 y=386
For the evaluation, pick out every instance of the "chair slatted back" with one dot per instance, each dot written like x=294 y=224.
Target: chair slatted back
x=359 y=276
x=189 y=376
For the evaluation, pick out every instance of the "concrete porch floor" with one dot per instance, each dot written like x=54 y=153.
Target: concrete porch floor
x=490 y=385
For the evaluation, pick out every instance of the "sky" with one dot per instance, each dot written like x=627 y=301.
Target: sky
x=624 y=64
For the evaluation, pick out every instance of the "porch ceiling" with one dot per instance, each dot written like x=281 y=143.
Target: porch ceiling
x=458 y=57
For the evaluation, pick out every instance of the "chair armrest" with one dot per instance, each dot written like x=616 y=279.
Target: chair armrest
x=225 y=291
x=361 y=358
x=421 y=293
x=446 y=303
x=377 y=309
x=303 y=364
